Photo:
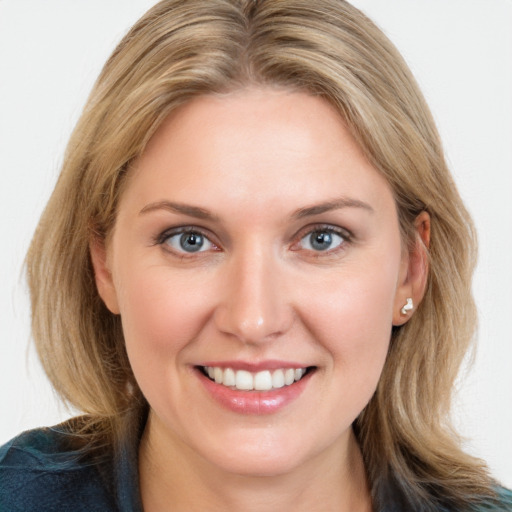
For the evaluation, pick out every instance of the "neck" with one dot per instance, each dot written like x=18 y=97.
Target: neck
x=173 y=476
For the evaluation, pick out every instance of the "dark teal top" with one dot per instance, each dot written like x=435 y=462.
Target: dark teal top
x=40 y=471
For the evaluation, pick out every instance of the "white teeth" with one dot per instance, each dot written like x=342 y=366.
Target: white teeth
x=264 y=380
x=244 y=380
x=289 y=376
x=278 y=379
x=229 y=377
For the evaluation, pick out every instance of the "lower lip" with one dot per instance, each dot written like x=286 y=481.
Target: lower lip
x=254 y=402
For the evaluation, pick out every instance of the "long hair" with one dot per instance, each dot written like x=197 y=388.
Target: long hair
x=182 y=49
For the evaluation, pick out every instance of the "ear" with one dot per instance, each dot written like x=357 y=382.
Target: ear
x=102 y=274
x=414 y=271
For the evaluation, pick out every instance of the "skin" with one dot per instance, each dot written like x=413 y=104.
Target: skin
x=258 y=291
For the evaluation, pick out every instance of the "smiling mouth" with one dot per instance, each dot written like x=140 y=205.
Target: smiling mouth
x=265 y=380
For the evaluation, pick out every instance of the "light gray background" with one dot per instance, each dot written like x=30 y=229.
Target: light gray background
x=461 y=52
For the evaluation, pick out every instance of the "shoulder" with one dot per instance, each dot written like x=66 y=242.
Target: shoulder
x=39 y=470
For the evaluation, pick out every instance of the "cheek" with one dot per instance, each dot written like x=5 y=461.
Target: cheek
x=351 y=314
x=161 y=313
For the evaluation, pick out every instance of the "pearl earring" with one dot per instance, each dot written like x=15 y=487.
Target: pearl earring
x=409 y=306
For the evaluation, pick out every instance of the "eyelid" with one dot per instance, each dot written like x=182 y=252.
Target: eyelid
x=346 y=234
x=161 y=238
x=311 y=228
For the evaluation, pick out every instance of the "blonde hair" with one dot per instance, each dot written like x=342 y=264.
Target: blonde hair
x=185 y=48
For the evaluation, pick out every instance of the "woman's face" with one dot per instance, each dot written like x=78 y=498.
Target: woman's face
x=255 y=243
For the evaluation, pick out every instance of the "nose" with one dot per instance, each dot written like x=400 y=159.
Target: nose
x=254 y=305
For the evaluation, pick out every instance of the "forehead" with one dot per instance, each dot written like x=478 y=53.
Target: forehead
x=265 y=146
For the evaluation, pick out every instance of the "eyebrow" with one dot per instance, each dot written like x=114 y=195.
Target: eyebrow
x=185 y=209
x=203 y=214
x=336 y=204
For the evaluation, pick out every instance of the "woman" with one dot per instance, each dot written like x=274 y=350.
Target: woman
x=253 y=277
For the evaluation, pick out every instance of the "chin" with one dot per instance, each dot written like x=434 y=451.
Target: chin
x=260 y=457
x=259 y=466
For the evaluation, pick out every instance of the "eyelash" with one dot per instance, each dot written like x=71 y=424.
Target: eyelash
x=164 y=238
x=346 y=236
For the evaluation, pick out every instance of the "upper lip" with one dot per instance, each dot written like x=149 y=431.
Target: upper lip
x=255 y=366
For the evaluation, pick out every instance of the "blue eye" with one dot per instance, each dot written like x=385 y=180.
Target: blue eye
x=189 y=241
x=322 y=240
